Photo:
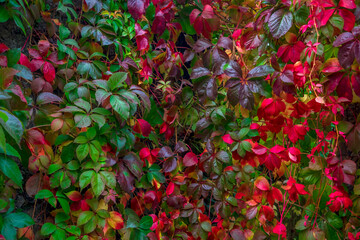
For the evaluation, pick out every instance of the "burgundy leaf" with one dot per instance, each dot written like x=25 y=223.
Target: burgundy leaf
x=190 y=159
x=44 y=46
x=344 y=88
x=355 y=80
x=199 y=72
x=137 y=8
x=260 y=71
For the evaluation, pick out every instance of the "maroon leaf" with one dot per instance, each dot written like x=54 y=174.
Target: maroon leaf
x=134 y=164
x=199 y=72
x=355 y=80
x=287 y=76
x=190 y=159
x=165 y=152
x=260 y=71
x=237 y=234
x=225 y=42
x=46 y=97
x=159 y=23
x=44 y=46
x=333 y=81
x=170 y=164
x=233 y=69
x=201 y=45
x=211 y=89
x=137 y=8
x=344 y=88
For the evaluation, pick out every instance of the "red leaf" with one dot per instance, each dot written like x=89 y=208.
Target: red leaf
x=170 y=188
x=3 y=48
x=36 y=64
x=280 y=229
x=144 y=153
x=208 y=12
x=115 y=220
x=143 y=127
x=142 y=39
x=349 y=4
x=190 y=159
x=331 y=65
x=24 y=61
x=74 y=196
x=34 y=53
x=262 y=183
x=49 y=72
x=349 y=19
x=227 y=138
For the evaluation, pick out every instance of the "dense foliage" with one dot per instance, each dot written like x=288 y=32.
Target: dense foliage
x=181 y=120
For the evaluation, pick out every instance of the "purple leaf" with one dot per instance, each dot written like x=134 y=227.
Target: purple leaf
x=233 y=70
x=343 y=38
x=280 y=22
x=346 y=54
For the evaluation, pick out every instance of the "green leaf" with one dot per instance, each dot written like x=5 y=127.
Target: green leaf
x=53 y=168
x=20 y=220
x=97 y=184
x=85 y=178
x=116 y=80
x=337 y=21
x=334 y=220
x=109 y=178
x=11 y=170
x=206 y=225
x=300 y=225
x=13 y=56
x=120 y=106
x=59 y=234
x=103 y=213
x=90 y=225
x=82 y=120
x=84 y=217
x=94 y=153
x=64 y=205
x=81 y=139
x=4 y=14
x=8 y=231
x=13 y=126
x=146 y=222
x=47 y=229
x=82 y=151
x=44 y=193
x=63 y=32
